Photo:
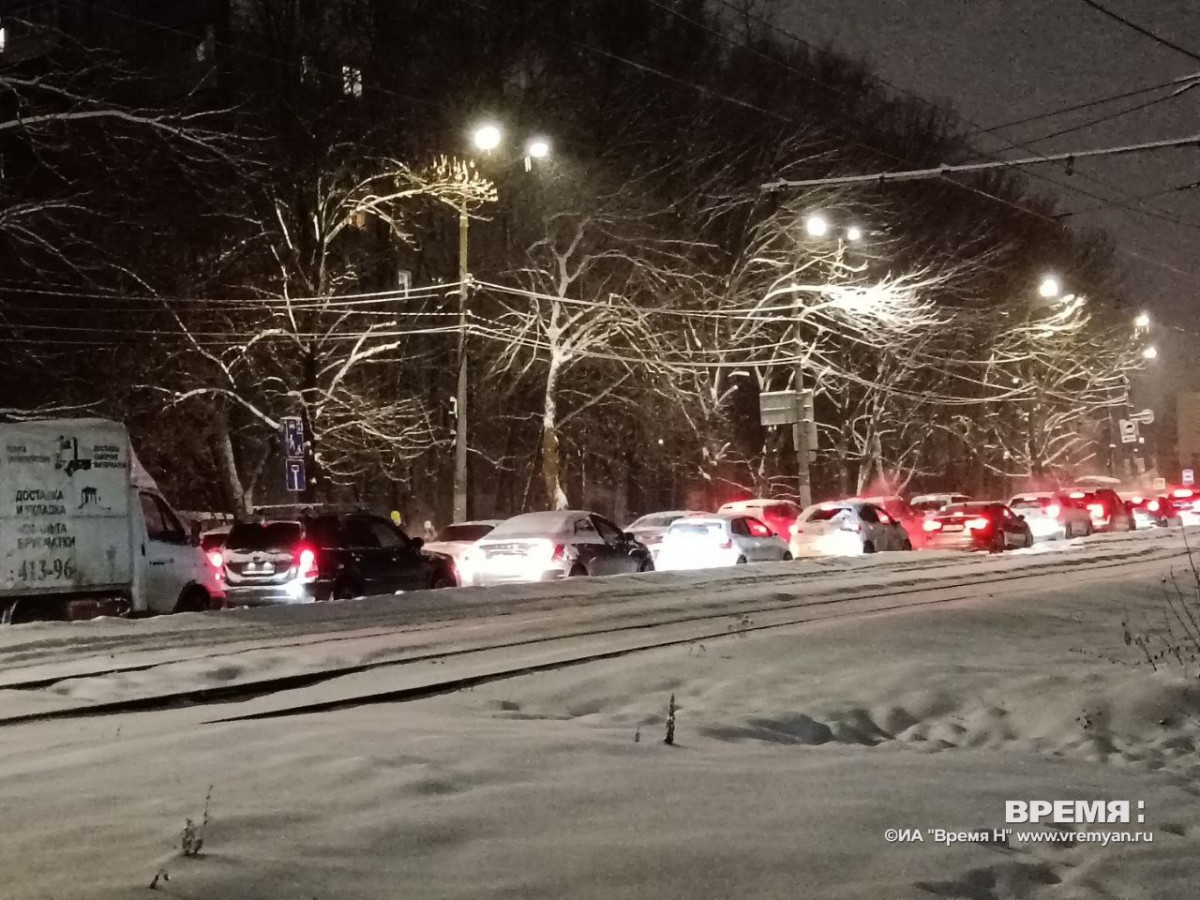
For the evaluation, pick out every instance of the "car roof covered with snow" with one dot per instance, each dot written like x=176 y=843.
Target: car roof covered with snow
x=537 y=524
x=755 y=503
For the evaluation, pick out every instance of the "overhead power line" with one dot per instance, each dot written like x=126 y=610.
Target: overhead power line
x=939 y=171
x=1145 y=32
x=1087 y=104
x=1123 y=200
x=1082 y=126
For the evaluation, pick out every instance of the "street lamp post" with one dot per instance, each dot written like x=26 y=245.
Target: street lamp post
x=816 y=225
x=461 y=466
x=486 y=138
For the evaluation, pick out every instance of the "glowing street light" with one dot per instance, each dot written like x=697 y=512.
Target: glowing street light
x=1050 y=287
x=816 y=225
x=1142 y=322
x=486 y=137
x=538 y=148
x=854 y=234
x=1150 y=353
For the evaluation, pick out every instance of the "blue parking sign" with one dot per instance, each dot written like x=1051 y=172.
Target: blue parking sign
x=294 y=474
x=293 y=437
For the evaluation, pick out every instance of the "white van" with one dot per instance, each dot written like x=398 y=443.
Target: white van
x=85 y=532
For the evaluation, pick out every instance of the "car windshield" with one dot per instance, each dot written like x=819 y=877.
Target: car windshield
x=535 y=524
x=263 y=536
x=928 y=505
x=967 y=509
x=1031 y=502
x=826 y=513
x=698 y=527
x=464 y=532
x=656 y=520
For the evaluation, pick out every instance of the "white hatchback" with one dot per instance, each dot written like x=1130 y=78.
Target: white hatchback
x=1050 y=516
x=717 y=540
x=846 y=528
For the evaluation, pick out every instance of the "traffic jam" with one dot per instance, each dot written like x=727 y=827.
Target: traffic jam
x=306 y=558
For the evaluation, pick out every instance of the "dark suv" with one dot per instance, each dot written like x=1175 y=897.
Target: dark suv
x=324 y=557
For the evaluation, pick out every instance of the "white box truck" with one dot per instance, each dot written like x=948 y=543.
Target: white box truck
x=85 y=532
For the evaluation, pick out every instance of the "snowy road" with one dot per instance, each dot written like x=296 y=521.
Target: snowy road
x=509 y=744
x=280 y=660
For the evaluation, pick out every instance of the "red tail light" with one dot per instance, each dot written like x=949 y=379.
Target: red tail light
x=215 y=559
x=1053 y=510
x=306 y=562
x=557 y=555
x=1152 y=506
x=1097 y=510
x=932 y=525
x=981 y=523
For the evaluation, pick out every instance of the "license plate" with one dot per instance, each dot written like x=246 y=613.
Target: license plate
x=507 y=561
x=264 y=569
x=952 y=528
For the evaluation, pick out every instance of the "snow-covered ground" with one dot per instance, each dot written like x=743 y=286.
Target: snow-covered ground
x=798 y=746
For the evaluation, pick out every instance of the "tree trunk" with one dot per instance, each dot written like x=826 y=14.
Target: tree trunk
x=556 y=497
x=843 y=464
x=242 y=500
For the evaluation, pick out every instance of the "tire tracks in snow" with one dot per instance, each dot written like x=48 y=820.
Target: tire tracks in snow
x=548 y=652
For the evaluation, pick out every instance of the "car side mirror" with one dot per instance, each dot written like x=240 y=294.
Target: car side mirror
x=628 y=536
x=417 y=543
x=195 y=534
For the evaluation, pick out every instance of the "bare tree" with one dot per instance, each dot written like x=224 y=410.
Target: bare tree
x=584 y=324
x=317 y=337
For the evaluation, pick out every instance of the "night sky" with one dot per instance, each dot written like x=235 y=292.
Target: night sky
x=995 y=61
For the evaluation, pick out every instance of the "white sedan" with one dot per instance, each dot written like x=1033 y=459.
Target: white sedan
x=455 y=540
x=649 y=529
x=846 y=528
x=717 y=540
x=1050 y=516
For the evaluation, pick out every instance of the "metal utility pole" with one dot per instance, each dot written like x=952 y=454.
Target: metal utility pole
x=800 y=441
x=800 y=428
x=460 y=425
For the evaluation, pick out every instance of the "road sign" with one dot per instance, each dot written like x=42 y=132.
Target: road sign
x=778 y=408
x=294 y=474
x=293 y=437
x=1189 y=476
x=1129 y=431
x=785 y=407
x=1143 y=417
x=1160 y=484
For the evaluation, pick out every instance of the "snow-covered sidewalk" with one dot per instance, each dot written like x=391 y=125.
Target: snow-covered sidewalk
x=797 y=749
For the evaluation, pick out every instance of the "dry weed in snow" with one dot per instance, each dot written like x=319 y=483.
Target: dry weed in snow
x=1178 y=636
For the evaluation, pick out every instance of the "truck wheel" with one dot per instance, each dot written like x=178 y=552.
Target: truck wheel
x=23 y=611
x=193 y=599
x=441 y=580
x=577 y=571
